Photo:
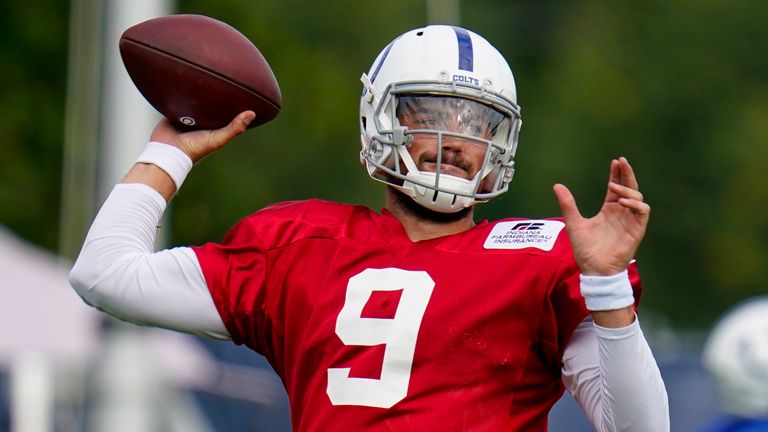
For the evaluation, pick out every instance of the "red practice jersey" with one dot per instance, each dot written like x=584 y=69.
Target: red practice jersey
x=372 y=332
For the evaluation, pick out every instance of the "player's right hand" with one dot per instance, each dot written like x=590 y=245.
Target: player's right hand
x=198 y=144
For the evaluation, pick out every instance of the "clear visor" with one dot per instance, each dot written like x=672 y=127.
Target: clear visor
x=452 y=114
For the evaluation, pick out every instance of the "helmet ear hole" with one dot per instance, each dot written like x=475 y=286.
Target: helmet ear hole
x=364 y=122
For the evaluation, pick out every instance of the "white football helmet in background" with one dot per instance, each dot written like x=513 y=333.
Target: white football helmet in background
x=440 y=62
x=736 y=358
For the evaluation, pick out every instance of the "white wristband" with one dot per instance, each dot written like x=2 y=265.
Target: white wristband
x=602 y=293
x=168 y=158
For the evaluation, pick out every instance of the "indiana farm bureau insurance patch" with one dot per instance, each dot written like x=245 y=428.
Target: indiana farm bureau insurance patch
x=540 y=234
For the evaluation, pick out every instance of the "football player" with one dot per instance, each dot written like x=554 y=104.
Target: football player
x=735 y=356
x=415 y=317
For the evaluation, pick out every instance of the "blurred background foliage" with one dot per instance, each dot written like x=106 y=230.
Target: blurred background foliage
x=680 y=88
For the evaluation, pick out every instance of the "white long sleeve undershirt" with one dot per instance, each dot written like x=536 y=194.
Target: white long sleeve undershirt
x=611 y=372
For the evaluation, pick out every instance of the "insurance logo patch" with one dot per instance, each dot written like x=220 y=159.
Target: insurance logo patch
x=540 y=234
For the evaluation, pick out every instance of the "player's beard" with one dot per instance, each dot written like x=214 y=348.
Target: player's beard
x=411 y=207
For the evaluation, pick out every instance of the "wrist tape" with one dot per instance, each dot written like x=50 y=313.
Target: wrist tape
x=168 y=158
x=602 y=293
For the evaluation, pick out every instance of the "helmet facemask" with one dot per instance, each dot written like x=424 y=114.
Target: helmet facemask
x=465 y=148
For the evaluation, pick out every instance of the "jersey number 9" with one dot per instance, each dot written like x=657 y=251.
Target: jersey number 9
x=398 y=334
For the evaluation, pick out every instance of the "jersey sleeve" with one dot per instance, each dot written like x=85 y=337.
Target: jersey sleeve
x=239 y=271
x=235 y=272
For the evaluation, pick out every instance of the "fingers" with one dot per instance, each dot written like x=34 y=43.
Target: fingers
x=614 y=176
x=567 y=203
x=630 y=198
x=621 y=173
x=199 y=143
x=622 y=191
x=626 y=173
x=237 y=126
x=639 y=208
x=615 y=171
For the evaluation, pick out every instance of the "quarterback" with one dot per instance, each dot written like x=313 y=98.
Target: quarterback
x=415 y=317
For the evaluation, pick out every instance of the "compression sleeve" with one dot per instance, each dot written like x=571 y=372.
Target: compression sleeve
x=613 y=376
x=118 y=272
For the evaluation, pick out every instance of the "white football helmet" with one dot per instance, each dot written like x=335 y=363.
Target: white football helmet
x=736 y=358
x=448 y=68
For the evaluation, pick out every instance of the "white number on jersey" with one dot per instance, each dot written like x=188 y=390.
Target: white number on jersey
x=398 y=334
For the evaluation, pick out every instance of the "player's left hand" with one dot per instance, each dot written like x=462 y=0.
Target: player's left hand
x=605 y=243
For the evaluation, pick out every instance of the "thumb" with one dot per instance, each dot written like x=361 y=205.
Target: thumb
x=237 y=126
x=567 y=203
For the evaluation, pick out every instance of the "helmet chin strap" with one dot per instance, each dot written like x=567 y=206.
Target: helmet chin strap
x=439 y=201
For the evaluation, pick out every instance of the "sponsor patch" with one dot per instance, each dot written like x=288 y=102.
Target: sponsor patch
x=540 y=234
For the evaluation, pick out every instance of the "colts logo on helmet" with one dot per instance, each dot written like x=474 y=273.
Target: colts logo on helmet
x=466 y=79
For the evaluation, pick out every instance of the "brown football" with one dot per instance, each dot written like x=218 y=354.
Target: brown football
x=199 y=72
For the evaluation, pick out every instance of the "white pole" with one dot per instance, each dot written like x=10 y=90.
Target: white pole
x=127 y=118
x=81 y=124
x=31 y=393
x=130 y=389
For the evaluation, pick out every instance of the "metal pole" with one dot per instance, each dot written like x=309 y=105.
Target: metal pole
x=31 y=393
x=80 y=124
x=126 y=118
x=130 y=391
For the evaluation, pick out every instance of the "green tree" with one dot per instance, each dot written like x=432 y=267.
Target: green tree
x=33 y=65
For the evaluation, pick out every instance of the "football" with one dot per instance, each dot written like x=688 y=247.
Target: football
x=199 y=72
